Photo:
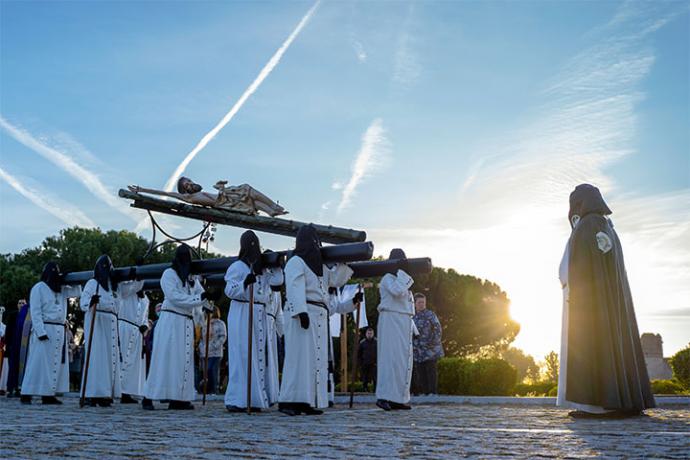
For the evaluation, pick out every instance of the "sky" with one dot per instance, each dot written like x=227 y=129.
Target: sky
x=455 y=130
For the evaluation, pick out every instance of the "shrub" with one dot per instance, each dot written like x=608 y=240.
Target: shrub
x=667 y=387
x=680 y=363
x=553 y=391
x=533 y=389
x=484 y=377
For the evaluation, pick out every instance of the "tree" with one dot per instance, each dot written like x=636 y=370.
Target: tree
x=524 y=364
x=550 y=367
x=680 y=362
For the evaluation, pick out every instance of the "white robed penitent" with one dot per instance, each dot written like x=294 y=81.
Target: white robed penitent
x=305 y=371
x=47 y=365
x=105 y=359
x=133 y=314
x=395 y=331
x=171 y=373
x=238 y=330
x=274 y=329
x=563 y=358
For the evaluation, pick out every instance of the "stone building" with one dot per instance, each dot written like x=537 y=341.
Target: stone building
x=657 y=367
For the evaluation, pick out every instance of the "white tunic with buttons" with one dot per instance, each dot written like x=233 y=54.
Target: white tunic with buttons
x=47 y=365
x=305 y=371
x=103 y=380
x=171 y=373
x=133 y=313
x=238 y=340
x=274 y=329
x=395 y=329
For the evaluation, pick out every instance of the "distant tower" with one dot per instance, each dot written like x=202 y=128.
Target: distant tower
x=657 y=367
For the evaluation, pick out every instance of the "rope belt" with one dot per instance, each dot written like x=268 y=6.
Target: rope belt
x=178 y=313
x=108 y=312
x=129 y=322
x=246 y=301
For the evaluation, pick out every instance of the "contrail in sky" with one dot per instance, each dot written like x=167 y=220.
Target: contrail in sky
x=88 y=178
x=67 y=213
x=275 y=59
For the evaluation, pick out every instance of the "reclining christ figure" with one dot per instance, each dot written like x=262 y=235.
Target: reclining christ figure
x=239 y=198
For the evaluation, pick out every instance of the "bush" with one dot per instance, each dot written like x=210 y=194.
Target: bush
x=667 y=387
x=680 y=363
x=534 y=389
x=484 y=377
x=553 y=391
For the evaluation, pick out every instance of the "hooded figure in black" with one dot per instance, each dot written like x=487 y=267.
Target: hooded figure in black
x=605 y=366
x=250 y=251
x=103 y=273
x=51 y=276
x=308 y=247
x=182 y=263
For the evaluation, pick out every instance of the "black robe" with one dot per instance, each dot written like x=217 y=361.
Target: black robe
x=606 y=366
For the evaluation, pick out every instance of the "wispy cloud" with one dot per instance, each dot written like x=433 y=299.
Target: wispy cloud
x=359 y=50
x=406 y=67
x=371 y=156
x=69 y=214
x=88 y=178
x=265 y=72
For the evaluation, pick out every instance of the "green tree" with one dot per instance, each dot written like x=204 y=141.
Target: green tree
x=524 y=364
x=680 y=363
x=550 y=367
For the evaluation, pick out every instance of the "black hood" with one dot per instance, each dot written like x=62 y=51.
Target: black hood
x=182 y=263
x=397 y=254
x=103 y=272
x=51 y=276
x=250 y=251
x=308 y=247
x=586 y=199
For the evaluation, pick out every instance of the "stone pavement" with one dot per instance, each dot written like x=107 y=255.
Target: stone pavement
x=443 y=430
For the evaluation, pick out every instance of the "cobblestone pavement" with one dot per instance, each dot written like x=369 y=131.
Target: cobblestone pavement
x=427 y=431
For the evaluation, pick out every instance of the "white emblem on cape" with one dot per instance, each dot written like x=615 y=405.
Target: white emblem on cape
x=604 y=242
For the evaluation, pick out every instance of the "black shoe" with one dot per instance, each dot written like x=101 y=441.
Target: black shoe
x=50 y=400
x=289 y=409
x=308 y=410
x=331 y=404
x=104 y=402
x=91 y=402
x=255 y=410
x=127 y=399
x=383 y=404
x=25 y=399
x=398 y=406
x=605 y=415
x=180 y=405
x=147 y=404
x=234 y=409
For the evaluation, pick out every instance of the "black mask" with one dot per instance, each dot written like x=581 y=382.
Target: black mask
x=51 y=276
x=103 y=273
x=308 y=247
x=586 y=199
x=397 y=254
x=182 y=263
x=250 y=251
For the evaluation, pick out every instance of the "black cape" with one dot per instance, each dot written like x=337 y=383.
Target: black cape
x=606 y=366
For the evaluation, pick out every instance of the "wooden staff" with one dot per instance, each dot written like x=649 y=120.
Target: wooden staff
x=250 y=336
x=355 y=351
x=82 y=400
x=208 y=335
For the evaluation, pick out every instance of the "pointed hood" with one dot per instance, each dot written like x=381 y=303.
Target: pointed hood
x=308 y=247
x=51 y=276
x=182 y=263
x=250 y=251
x=103 y=273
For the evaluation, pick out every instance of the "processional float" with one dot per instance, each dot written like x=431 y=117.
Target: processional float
x=239 y=206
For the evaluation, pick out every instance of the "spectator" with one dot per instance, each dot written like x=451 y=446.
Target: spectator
x=216 y=345
x=427 y=348
x=367 y=358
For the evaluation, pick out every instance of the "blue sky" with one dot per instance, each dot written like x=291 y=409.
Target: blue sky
x=453 y=129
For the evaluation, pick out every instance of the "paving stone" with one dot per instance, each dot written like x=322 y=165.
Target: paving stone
x=428 y=431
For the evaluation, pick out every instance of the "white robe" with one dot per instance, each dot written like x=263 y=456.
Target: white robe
x=171 y=373
x=305 y=371
x=105 y=360
x=563 y=358
x=274 y=329
x=133 y=313
x=395 y=330
x=5 y=363
x=238 y=330
x=47 y=365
